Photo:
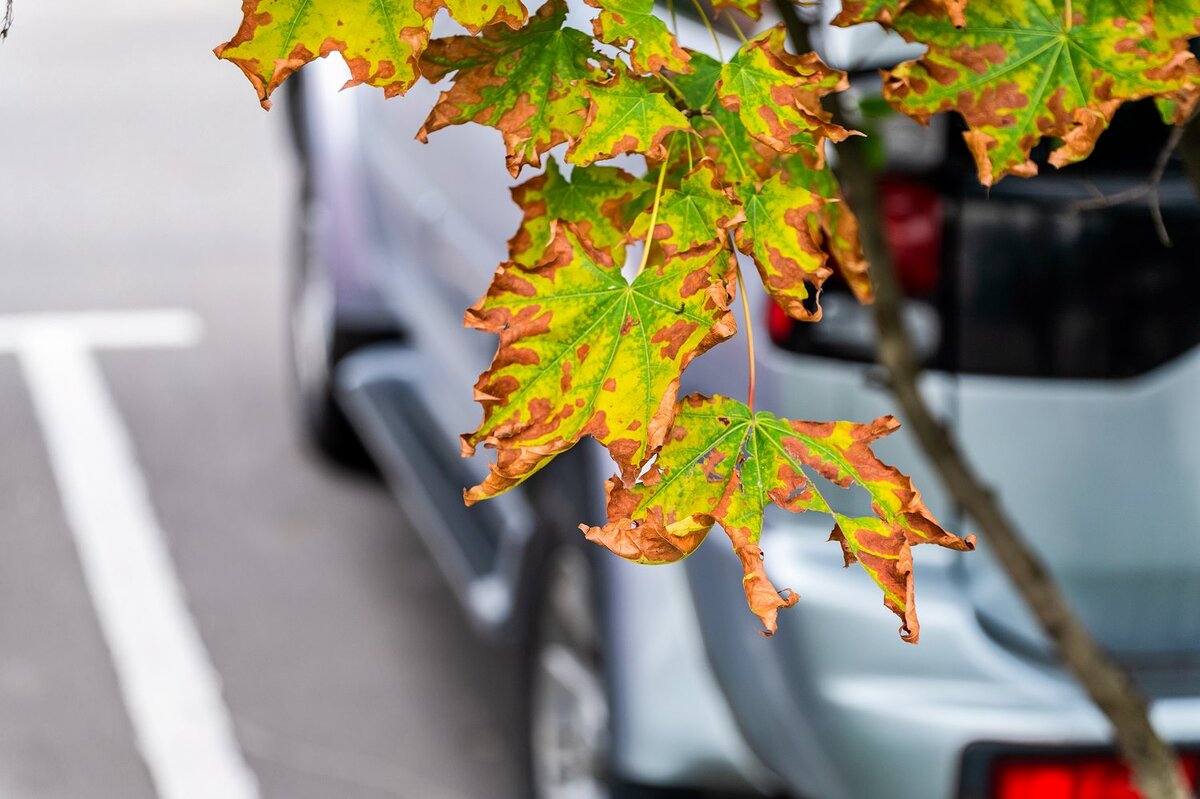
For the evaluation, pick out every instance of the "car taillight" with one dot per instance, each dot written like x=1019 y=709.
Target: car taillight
x=912 y=224
x=1073 y=778
x=779 y=324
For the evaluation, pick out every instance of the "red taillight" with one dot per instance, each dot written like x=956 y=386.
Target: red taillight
x=912 y=223
x=779 y=324
x=1073 y=778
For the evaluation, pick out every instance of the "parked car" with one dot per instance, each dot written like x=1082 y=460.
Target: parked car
x=1062 y=351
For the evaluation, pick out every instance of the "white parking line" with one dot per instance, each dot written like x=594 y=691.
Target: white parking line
x=171 y=691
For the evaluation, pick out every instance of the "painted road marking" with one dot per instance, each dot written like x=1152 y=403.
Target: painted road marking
x=170 y=689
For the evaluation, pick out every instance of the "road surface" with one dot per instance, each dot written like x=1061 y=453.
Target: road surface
x=137 y=173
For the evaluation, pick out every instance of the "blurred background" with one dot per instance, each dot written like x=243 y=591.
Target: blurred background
x=195 y=606
x=137 y=172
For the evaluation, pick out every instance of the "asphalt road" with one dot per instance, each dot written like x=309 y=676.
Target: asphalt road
x=137 y=172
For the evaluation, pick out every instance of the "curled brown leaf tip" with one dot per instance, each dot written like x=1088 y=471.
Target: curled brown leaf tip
x=646 y=540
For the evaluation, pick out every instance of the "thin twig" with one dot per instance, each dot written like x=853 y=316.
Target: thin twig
x=658 y=190
x=1149 y=187
x=736 y=27
x=6 y=25
x=711 y=30
x=741 y=287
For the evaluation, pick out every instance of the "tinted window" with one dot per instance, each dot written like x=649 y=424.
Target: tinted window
x=1020 y=284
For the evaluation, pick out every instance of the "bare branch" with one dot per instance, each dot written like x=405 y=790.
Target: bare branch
x=6 y=24
x=1149 y=188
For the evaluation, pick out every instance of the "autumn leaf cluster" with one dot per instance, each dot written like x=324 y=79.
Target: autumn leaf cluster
x=735 y=155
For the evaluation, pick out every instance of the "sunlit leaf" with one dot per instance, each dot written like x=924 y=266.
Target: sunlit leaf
x=596 y=200
x=886 y=11
x=723 y=138
x=584 y=352
x=1020 y=71
x=723 y=464
x=838 y=227
x=522 y=83
x=626 y=114
x=778 y=95
x=696 y=217
x=633 y=24
x=380 y=40
x=751 y=8
x=1177 y=21
x=779 y=234
x=475 y=16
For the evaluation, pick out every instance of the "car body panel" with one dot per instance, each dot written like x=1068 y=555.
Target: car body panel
x=1090 y=469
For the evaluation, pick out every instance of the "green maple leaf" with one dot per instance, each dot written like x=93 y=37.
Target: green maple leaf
x=696 y=217
x=380 y=40
x=1020 y=71
x=597 y=201
x=780 y=234
x=1177 y=21
x=475 y=16
x=886 y=11
x=633 y=23
x=723 y=464
x=836 y=223
x=778 y=95
x=584 y=352
x=797 y=225
x=626 y=114
x=720 y=132
x=524 y=83
x=751 y=8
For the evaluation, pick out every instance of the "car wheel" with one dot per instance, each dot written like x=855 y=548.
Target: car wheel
x=567 y=713
x=317 y=339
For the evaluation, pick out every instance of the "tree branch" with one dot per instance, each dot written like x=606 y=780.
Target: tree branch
x=1149 y=187
x=1156 y=768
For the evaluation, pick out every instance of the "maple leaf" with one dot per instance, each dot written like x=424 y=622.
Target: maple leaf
x=597 y=201
x=886 y=11
x=1020 y=71
x=626 y=114
x=722 y=136
x=380 y=40
x=837 y=224
x=779 y=235
x=633 y=23
x=696 y=217
x=1177 y=21
x=584 y=352
x=723 y=464
x=778 y=95
x=751 y=8
x=475 y=16
x=523 y=83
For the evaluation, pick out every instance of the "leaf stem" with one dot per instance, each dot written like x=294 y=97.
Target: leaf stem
x=658 y=190
x=1067 y=15
x=736 y=27
x=711 y=31
x=670 y=84
x=741 y=287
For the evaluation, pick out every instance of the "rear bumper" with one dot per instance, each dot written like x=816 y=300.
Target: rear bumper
x=895 y=719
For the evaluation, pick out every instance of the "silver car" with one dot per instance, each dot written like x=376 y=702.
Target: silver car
x=1062 y=351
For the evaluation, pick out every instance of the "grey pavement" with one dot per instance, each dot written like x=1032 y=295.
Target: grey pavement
x=136 y=171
